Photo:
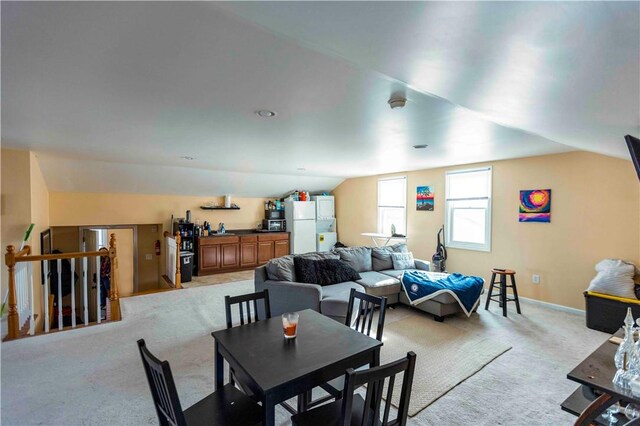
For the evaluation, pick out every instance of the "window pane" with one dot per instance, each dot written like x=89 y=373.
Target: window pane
x=468 y=225
x=469 y=184
x=392 y=192
x=389 y=216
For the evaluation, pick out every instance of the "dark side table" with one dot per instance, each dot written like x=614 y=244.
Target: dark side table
x=597 y=391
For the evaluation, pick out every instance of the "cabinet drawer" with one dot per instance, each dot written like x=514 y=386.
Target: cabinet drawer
x=249 y=239
x=273 y=237
x=218 y=240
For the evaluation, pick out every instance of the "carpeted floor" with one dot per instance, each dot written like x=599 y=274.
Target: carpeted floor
x=94 y=375
x=223 y=278
x=437 y=346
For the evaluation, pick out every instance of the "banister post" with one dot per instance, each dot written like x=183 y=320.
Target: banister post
x=12 y=303
x=178 y=274
x=114 y=298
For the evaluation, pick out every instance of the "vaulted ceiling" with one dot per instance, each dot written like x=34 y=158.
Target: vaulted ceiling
x=125 y=89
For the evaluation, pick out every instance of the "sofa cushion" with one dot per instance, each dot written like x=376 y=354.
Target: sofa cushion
x=403 y=260
x=335 y=298
x=381 y=258
x=359 y=258
x=323 y=271
x=399 y=248
x=378 y=284
x=396 y=273
x=281 y=269
x=320 y=255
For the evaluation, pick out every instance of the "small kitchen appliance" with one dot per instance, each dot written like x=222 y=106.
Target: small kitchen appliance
x=274 y=225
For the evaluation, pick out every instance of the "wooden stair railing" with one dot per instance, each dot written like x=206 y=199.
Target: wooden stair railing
x=12 y=259
x=177 y=282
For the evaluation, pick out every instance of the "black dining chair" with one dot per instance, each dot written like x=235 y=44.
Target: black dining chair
x=226 y=406
x=244 y=303
x=363 y=306
x=352 y=409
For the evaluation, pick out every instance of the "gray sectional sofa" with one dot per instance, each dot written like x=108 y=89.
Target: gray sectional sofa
x=378 y=277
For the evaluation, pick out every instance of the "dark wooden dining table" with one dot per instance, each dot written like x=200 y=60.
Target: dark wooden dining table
x=275 y=369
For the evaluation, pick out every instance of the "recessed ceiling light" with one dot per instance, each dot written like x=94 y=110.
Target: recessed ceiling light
x=420 y=146
x=302 y=169
x=187 y=157
x=265 y=113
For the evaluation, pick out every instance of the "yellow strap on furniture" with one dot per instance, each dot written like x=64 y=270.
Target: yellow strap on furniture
x=616 y=298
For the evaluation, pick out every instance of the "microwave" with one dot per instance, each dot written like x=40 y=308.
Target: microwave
x=273 y=214
x=274 y=225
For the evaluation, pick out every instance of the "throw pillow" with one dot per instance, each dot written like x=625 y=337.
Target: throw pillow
x=403 y=261
x=281 y=269
x=359 y=258
x=324 y=271
x=381 y=258
x=399 y=248
x=615 y=277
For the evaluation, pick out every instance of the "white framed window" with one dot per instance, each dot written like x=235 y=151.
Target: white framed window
x=468 y=209
x=392 y=205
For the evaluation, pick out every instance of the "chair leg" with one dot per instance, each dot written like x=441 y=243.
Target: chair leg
x=438 y=318
x=303 y=401
x=503 y=294
x=493 y=278
x=515 y=293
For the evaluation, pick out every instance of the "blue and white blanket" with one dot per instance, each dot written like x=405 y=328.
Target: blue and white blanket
x=421 y=285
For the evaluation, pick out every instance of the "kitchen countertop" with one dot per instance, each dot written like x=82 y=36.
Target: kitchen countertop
x=234 y=232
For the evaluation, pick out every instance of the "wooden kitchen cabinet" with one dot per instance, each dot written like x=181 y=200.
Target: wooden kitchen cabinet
x=225 y=253
x=265 y=251
x=229 y=258
x=280 y=248
x=248 y=251
x=208 y=258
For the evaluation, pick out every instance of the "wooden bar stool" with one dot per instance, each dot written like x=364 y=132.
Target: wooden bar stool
x=503 y=290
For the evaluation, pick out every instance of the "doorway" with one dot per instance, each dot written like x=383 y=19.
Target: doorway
x=92 y=238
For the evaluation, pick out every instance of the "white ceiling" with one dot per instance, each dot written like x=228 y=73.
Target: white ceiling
x=124 y=89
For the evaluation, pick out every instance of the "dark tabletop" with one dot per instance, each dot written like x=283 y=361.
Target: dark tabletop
x=272 y=361
x=598 y=369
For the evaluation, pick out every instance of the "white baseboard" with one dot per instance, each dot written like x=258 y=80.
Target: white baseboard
x=553 y=306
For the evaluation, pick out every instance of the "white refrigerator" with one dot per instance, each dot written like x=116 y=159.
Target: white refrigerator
x=301 y=222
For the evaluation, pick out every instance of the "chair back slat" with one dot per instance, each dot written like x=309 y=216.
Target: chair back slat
x=364 y=313
x=163 y=388
x=244 y=302
x=375 y=379
x=392 y=382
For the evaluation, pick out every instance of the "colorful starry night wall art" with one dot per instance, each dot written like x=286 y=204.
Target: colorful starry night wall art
x=535 y=206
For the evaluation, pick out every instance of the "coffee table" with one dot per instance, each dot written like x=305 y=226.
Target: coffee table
x=275 y=369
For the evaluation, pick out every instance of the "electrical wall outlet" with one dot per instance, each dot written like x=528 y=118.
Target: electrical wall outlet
x=535 y=278
x=148 y=256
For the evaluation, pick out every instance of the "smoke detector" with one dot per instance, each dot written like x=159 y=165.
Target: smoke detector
x=397 y=102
